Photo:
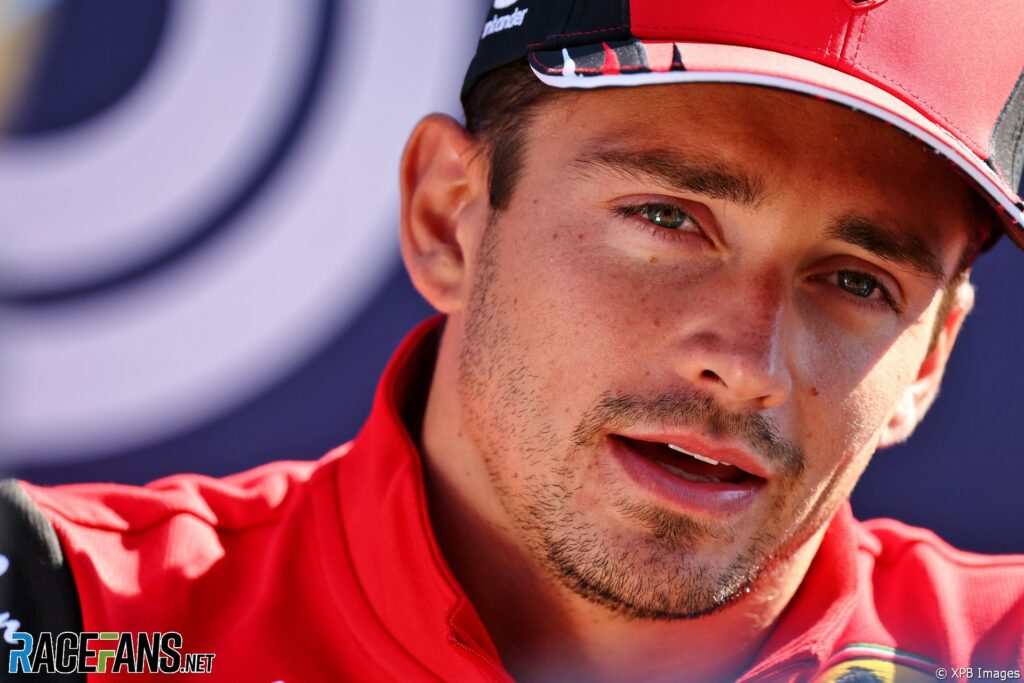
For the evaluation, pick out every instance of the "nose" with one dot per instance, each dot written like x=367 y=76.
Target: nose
x=737 y=350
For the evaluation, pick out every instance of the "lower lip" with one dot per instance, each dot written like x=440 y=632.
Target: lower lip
x=711 y=499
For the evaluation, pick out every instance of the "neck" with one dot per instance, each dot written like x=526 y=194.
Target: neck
x=542 y=629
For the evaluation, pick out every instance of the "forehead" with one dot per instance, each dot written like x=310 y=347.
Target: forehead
x=794 y=147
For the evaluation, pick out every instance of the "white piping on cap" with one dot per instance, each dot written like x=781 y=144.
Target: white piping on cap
x=569 y=65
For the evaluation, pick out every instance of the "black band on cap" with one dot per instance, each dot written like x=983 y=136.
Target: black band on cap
x=1007 y=142
x=513 y=29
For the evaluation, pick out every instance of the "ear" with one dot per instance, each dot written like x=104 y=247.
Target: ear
x=444 y=208
x=920 y=395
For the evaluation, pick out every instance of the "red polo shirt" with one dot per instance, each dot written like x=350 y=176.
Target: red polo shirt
x=329 y=571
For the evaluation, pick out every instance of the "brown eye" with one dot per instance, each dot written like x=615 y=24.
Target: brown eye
x=859 y=284
x=665 y=215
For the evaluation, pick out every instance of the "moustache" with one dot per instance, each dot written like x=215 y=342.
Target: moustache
x=691 y=409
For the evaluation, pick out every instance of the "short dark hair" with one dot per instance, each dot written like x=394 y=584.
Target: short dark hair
x=503 y=103
x=499 y=109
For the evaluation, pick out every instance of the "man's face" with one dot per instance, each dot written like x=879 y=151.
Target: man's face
x=750 y=276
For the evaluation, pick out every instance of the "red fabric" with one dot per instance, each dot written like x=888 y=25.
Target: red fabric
x=933 y=54
x=329 y=571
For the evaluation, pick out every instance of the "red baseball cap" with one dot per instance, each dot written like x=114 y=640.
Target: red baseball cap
x=950 y=73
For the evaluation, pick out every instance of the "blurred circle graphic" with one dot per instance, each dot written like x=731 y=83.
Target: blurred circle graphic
x=194 y=197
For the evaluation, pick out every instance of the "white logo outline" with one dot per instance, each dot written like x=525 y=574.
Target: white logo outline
x=503 y=22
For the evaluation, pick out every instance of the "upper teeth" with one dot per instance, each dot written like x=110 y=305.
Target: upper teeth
x=694 y=455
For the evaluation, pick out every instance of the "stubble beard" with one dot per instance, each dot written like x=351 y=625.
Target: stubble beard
x=654 y=575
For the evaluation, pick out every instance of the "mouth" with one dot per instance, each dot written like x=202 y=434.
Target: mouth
x=687 y=464
x=686 y=478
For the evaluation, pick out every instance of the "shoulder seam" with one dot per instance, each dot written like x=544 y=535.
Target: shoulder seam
x=129 y=530
x=219 y=526
x=963 y=558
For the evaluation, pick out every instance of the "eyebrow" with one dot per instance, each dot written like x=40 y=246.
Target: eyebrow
x=703 y=178
x=892 y=244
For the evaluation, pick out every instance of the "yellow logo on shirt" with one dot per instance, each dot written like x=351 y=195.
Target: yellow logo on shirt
x=873 y=671
x=869 y=663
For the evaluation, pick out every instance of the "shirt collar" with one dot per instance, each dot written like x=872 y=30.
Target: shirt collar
x=387 y=525
x=808 y=630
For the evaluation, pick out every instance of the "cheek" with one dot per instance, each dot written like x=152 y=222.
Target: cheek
x=584 y=311
x=849 y=389
x=545 y=356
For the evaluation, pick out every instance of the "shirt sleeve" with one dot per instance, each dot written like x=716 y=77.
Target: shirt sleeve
x=37 y=590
